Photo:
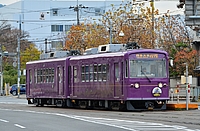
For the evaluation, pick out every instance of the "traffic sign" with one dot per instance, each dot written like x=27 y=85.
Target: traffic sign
x=15 y=64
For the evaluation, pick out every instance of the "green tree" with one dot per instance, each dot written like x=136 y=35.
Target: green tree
x=31 y=53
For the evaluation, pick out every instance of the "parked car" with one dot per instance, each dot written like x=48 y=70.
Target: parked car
x=14 y=89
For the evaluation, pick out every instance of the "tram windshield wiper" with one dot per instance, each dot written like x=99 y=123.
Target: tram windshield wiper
x=145 y=74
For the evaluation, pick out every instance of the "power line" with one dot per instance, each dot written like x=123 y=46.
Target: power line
x=58 y=20
x=76 y=9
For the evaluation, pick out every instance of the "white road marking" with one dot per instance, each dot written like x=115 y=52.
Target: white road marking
x=123 y=124
x=17 y=103
x=20 y=126
x=3 y=120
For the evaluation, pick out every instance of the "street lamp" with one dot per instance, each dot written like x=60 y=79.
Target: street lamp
x=110 y=31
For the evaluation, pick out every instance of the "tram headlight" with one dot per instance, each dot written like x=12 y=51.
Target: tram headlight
x=137 y=85
x=160 y=85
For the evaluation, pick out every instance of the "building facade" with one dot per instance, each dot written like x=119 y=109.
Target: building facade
x=48 y=19
x=51 y=19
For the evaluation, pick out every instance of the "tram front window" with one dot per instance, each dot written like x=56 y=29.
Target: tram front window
x=150 y=68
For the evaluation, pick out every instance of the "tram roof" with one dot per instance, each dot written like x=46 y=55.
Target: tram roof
x=79 y=57
x=47 y=60
x=98 y=55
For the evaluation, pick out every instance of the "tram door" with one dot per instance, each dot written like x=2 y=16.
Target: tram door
x=117 y=80
x=30 y=82
x=60 y=76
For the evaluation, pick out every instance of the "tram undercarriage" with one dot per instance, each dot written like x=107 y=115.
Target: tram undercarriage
x=101 y=104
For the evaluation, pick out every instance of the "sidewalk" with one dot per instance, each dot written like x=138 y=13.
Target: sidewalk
x=174 y=105
x=21 y=96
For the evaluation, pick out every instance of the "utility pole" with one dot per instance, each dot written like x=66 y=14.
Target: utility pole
x=152 y=31
x=18 y=56
x=1 y=68
x=45 y=45
x=186 y=75
x=77 y=10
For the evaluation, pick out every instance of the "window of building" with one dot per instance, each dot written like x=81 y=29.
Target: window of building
x=56 y=44
x=97 y=11
x=57 y=28
x=68 y=27
x=55 y=12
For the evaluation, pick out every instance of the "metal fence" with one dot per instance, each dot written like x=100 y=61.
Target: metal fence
x=180 y=94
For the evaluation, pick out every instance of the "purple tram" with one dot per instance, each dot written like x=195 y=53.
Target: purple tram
x=114 y=81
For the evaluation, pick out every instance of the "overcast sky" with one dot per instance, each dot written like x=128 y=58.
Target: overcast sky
x=163 y=6
x=7 y=2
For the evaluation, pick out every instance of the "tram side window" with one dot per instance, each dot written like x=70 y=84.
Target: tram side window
x=39 y=75
x=87 y=73
x=107 y=72
x=83 y=73
x=52 y=75
x=116 y=71
x=91 y=73
x=104 y=72
x=30 y=76
x=35 y=76
x=44 y=75
x=49 y=78
x=60 y=74
x=47 y=75
x=75 y=74
x=95 y=72
x=69 y=74
x=126 y=69
x=63 y=75
x=133 y=70
x=99 y=72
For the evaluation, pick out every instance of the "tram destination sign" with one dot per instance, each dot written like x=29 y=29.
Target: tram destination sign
x=146 y=55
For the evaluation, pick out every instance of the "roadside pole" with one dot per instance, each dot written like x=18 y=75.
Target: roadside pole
x=178 y=86
x=18 y=56
x=1 y=69
x=186 y=75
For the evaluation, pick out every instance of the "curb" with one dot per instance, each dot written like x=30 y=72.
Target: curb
x=173 y=106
